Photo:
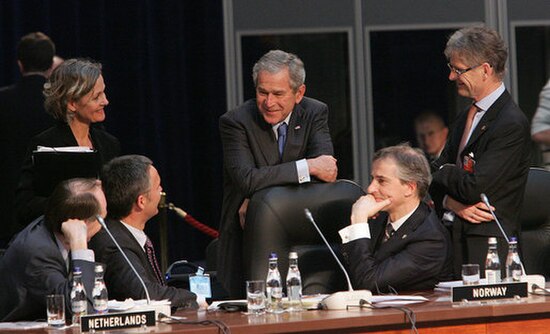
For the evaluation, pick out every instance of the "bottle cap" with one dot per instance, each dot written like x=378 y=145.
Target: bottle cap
x=273 y=256
x=98 y=268
x=492 y=240
x=513 y=239
x=77 y=271
x=292 y=255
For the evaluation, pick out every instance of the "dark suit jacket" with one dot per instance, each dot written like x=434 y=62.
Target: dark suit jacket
x=251 y=163
x=32 y=268
x=500 y=144
x=29 y=205
x=416 y=257
x=121 y=281
x=501 y=147
x=22 y=116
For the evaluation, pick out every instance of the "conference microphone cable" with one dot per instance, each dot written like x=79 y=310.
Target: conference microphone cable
x=222 y=327
x=409 y=314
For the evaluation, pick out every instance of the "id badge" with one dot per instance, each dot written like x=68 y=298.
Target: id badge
x=468 y=163
x=199 y=284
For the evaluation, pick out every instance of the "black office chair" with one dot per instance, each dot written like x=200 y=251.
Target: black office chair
x=535 y=223
x=275 y=222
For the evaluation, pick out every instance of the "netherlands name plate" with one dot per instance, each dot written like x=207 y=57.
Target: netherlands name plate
x=117 y=320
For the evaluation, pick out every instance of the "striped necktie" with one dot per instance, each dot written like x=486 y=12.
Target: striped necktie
x=150 y=251
x=388 y=232
x=281 y=139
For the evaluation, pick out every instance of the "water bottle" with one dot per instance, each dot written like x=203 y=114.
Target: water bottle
x=514 y=269
x=274 y=286
x=79 y=303
x=492 y=264
x=99 y=293
x=294 y=283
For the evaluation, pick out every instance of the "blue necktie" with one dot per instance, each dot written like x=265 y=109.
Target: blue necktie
x=281 y=131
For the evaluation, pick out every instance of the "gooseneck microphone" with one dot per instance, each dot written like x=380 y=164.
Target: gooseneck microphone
x=102 y=223
x=340 y=300
x=485 y=200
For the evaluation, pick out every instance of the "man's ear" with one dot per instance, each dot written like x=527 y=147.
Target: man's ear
x=411 y=189
x=140 y=202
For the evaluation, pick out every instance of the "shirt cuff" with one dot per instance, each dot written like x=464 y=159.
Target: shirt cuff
x=354 y=232
x=303 y=171
x=83 y=254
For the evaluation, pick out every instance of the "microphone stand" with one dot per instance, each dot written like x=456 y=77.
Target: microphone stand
x=102 y=223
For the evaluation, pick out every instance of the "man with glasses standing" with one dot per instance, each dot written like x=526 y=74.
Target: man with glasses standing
x=487 y=152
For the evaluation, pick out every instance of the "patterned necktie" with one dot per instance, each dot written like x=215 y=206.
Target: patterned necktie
x=150 y=251
x=281 y=131
x=388 y=232
x=467 y=128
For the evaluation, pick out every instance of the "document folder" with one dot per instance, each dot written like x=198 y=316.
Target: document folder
x=56 y=165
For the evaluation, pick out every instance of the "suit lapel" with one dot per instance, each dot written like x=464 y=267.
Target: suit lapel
x=295 y=134
x=408 y=227
x=488 y=118
x=265 y=138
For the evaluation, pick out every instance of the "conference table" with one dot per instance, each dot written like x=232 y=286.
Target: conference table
x=438 y=315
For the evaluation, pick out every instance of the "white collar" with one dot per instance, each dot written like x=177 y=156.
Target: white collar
x=140 y=236
x=397 y=224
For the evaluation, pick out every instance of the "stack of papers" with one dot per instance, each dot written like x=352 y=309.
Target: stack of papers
x=447 y=286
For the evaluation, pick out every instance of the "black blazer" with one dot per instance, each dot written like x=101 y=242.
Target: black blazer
x=32 y=268
x=22 y=116
x=416 y=257
x=251 y=163
x=27 y=204
x=121 y=281
x=500 y=144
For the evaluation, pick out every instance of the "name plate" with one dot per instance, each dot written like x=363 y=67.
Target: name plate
x=117 y=320
x=489 y=291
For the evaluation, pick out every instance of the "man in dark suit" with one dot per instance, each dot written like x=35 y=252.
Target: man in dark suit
x=22 y=115
x=132 y=187
x=40 y=259
x=487 y=151
x=279 y=138
x=395 y=241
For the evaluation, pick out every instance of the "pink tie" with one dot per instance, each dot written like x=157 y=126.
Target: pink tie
x=469 y=121
x=153 y=261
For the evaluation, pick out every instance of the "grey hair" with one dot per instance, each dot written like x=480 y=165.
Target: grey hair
x=478 y=44
x=412 y=165
x=277 y=60
x=70 y=81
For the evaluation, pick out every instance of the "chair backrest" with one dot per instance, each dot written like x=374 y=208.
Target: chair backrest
x=275 y=222
x=535 y=223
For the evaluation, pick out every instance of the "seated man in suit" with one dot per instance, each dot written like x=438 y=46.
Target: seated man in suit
x=395 y=240
x=132 y=187
x=38 y=261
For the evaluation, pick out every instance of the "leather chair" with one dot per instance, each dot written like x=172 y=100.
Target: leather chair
x=275 y=222
x=535 y=223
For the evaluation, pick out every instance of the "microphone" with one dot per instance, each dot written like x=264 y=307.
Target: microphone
x=485 y=200
x=532 y=280
x=340 y=300
x=102 y=223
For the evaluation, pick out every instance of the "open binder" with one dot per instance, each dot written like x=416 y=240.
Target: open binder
x=55 y=164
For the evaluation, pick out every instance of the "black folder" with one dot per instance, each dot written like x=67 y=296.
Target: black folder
x=52 y=167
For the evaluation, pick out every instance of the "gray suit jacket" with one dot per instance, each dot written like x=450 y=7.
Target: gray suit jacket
x=32 y=268
x=416 y=257
x=251 y=163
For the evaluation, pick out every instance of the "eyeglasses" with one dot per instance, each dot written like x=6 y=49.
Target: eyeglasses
x=460 y=72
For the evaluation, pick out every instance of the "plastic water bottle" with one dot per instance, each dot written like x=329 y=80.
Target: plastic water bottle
x=274 y=286
x=99 y=293
x=294 y=283
x=514 y=269
x=79 y=302
x=492 y=264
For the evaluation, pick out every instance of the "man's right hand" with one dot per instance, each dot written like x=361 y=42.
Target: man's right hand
x=366 y=207
x=242 y=212
x=323 y=167
x=75 y=233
